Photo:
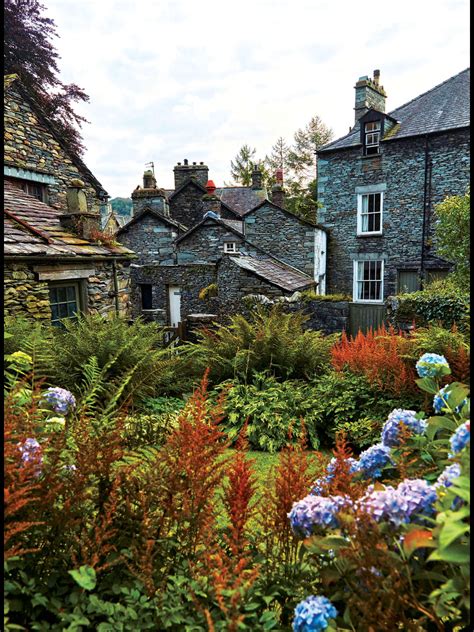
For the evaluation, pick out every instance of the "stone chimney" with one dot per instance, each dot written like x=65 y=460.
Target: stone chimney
x=182 y=172
x=78 y=219
x=369 y=94
x=210 y=202
x=278 y=192
x=149 y=196
x=257 y=176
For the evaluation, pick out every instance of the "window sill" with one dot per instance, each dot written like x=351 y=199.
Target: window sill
x=362 y=235
x=368 y=302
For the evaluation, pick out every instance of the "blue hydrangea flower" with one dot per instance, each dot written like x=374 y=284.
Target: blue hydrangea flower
x=391 y=428
x=315 y=511
x=61 y=400
x=372 y=460
x=320 y=483
x=441 y=399
x=419 y=495
x=312 y=614
x=447 y=476
x=460 y=438
x=432 y=365
x=31 y=453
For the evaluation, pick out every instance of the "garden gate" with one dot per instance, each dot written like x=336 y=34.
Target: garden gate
x=363 y=316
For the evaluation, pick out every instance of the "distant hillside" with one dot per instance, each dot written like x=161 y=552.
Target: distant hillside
x=122 y=206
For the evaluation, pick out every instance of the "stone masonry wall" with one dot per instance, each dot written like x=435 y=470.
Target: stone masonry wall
x=401 y=166
x=150 y=239
x=26 y=296
x=186 y=206
x=30 y=145
x=206 y=244
x=283 y=236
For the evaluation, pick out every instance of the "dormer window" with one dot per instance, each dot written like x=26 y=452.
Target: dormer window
x=372 y=138
x=230 y=247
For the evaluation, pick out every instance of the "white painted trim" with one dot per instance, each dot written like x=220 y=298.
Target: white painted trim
x=354 y=282
x=360 y=232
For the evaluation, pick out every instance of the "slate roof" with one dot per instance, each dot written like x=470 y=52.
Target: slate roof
x=275 y=272
x=238 y=199
x=32 y=228
x=209 y=219
x=442 y=108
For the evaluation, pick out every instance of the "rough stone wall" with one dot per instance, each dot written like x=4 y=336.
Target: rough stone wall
x=25 y=295
x=326 y=316
x=283 y=236
x=150 y=239
x=186 y=206
x=30 y=145
x=401 y=166
x=190 y=278
x=206 y=244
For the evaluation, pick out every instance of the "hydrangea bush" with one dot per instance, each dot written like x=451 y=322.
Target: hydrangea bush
x=411 y=530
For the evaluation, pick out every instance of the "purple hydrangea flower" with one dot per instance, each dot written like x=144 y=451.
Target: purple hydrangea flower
x=373 y=459
x=460 y=438
x=320 y=483
x=391 y=428
x=31 y=453
x=312 y=614
x=445 y=479
x=419 y=495
x=61 y=400
x=397 y=506
x=315 y=511
x=432 y=365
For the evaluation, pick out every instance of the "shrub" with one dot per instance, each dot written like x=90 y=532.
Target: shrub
x=311 y=295
x=451 y=343
x=35 y=339
x=270 y=411
x=380 y=355
x=142 y=430
x=440 y=303
x=269 y=341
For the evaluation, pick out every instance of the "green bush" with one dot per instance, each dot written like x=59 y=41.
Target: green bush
x=440 y=303
x=311 y=295
x=269 y=341
x=35 y=339
x=143 y=430
x=272 y=410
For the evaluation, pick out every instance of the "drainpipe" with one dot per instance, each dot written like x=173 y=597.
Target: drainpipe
x=426 y=210
x=116 y=290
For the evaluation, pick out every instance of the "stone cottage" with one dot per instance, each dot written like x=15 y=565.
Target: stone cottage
x=378 y=186
x=57 y=261
x=203 y=249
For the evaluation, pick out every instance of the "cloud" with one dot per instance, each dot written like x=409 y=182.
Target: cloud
x=174 y=79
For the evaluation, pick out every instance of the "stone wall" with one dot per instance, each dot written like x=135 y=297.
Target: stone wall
x=206 y=244
x=30 y=145
x=282 y=235
x=25 y=295
x=401 y=166
x=186 y=206
x=150 y=239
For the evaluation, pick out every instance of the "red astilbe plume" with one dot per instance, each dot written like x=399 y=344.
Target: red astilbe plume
x=342 y=480
x=379 y=356
x=227 y=564
x=459 y=363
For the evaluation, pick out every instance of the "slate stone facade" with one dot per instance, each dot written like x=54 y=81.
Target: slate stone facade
x=206 y=246
x=411 y=169
x=151 y=239
x=31 y=146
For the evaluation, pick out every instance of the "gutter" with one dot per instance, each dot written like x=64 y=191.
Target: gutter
x=426 y=210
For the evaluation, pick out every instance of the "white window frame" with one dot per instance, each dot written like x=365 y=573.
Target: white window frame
x=356 y=281
x=360 y=204
x=230 y=247
x=372 y=137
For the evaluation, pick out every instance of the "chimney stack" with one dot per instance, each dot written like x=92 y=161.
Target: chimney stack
x=149 y=196
x=78 y=219
x=210 y=202
x=182 y=173
x=369 y=94
x=278 y=192
x=149 y=181
x=257 y=176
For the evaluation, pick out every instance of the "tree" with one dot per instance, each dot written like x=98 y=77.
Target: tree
x=242 y=165
x=29 y=53
x=302 y=156
x=302 y=201
x=453 y=236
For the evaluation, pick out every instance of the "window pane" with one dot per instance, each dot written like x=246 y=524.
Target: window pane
x=54 y=312
x=62 y=294
x=71 y=293
x=53 y=295
x=62 y=310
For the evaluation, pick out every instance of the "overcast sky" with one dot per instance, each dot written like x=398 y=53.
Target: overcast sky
x=196 y=79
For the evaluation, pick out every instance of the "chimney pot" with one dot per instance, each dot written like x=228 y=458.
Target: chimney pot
x=179 y=164
x=194 y=163
x=210 y=187
x=185 y=161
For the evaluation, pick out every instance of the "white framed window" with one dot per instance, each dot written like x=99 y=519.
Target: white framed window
x=369 y=213
x=230 y=247
x=368 y=281
x=372 y=138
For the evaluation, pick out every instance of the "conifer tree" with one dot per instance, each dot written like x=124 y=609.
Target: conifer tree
x=242 y=165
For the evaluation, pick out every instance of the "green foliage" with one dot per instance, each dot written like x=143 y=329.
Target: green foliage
x=271 y=410
x=440 y=303
x=141 y=429
x=311 y=295
x=122 y=206
x=268 y=341
x=208 y=292
x=453 y=236
x=34 y=339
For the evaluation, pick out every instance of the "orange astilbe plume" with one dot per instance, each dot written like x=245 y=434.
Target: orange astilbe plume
x=459 y=362
x=379 y=355
x=342 y=480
